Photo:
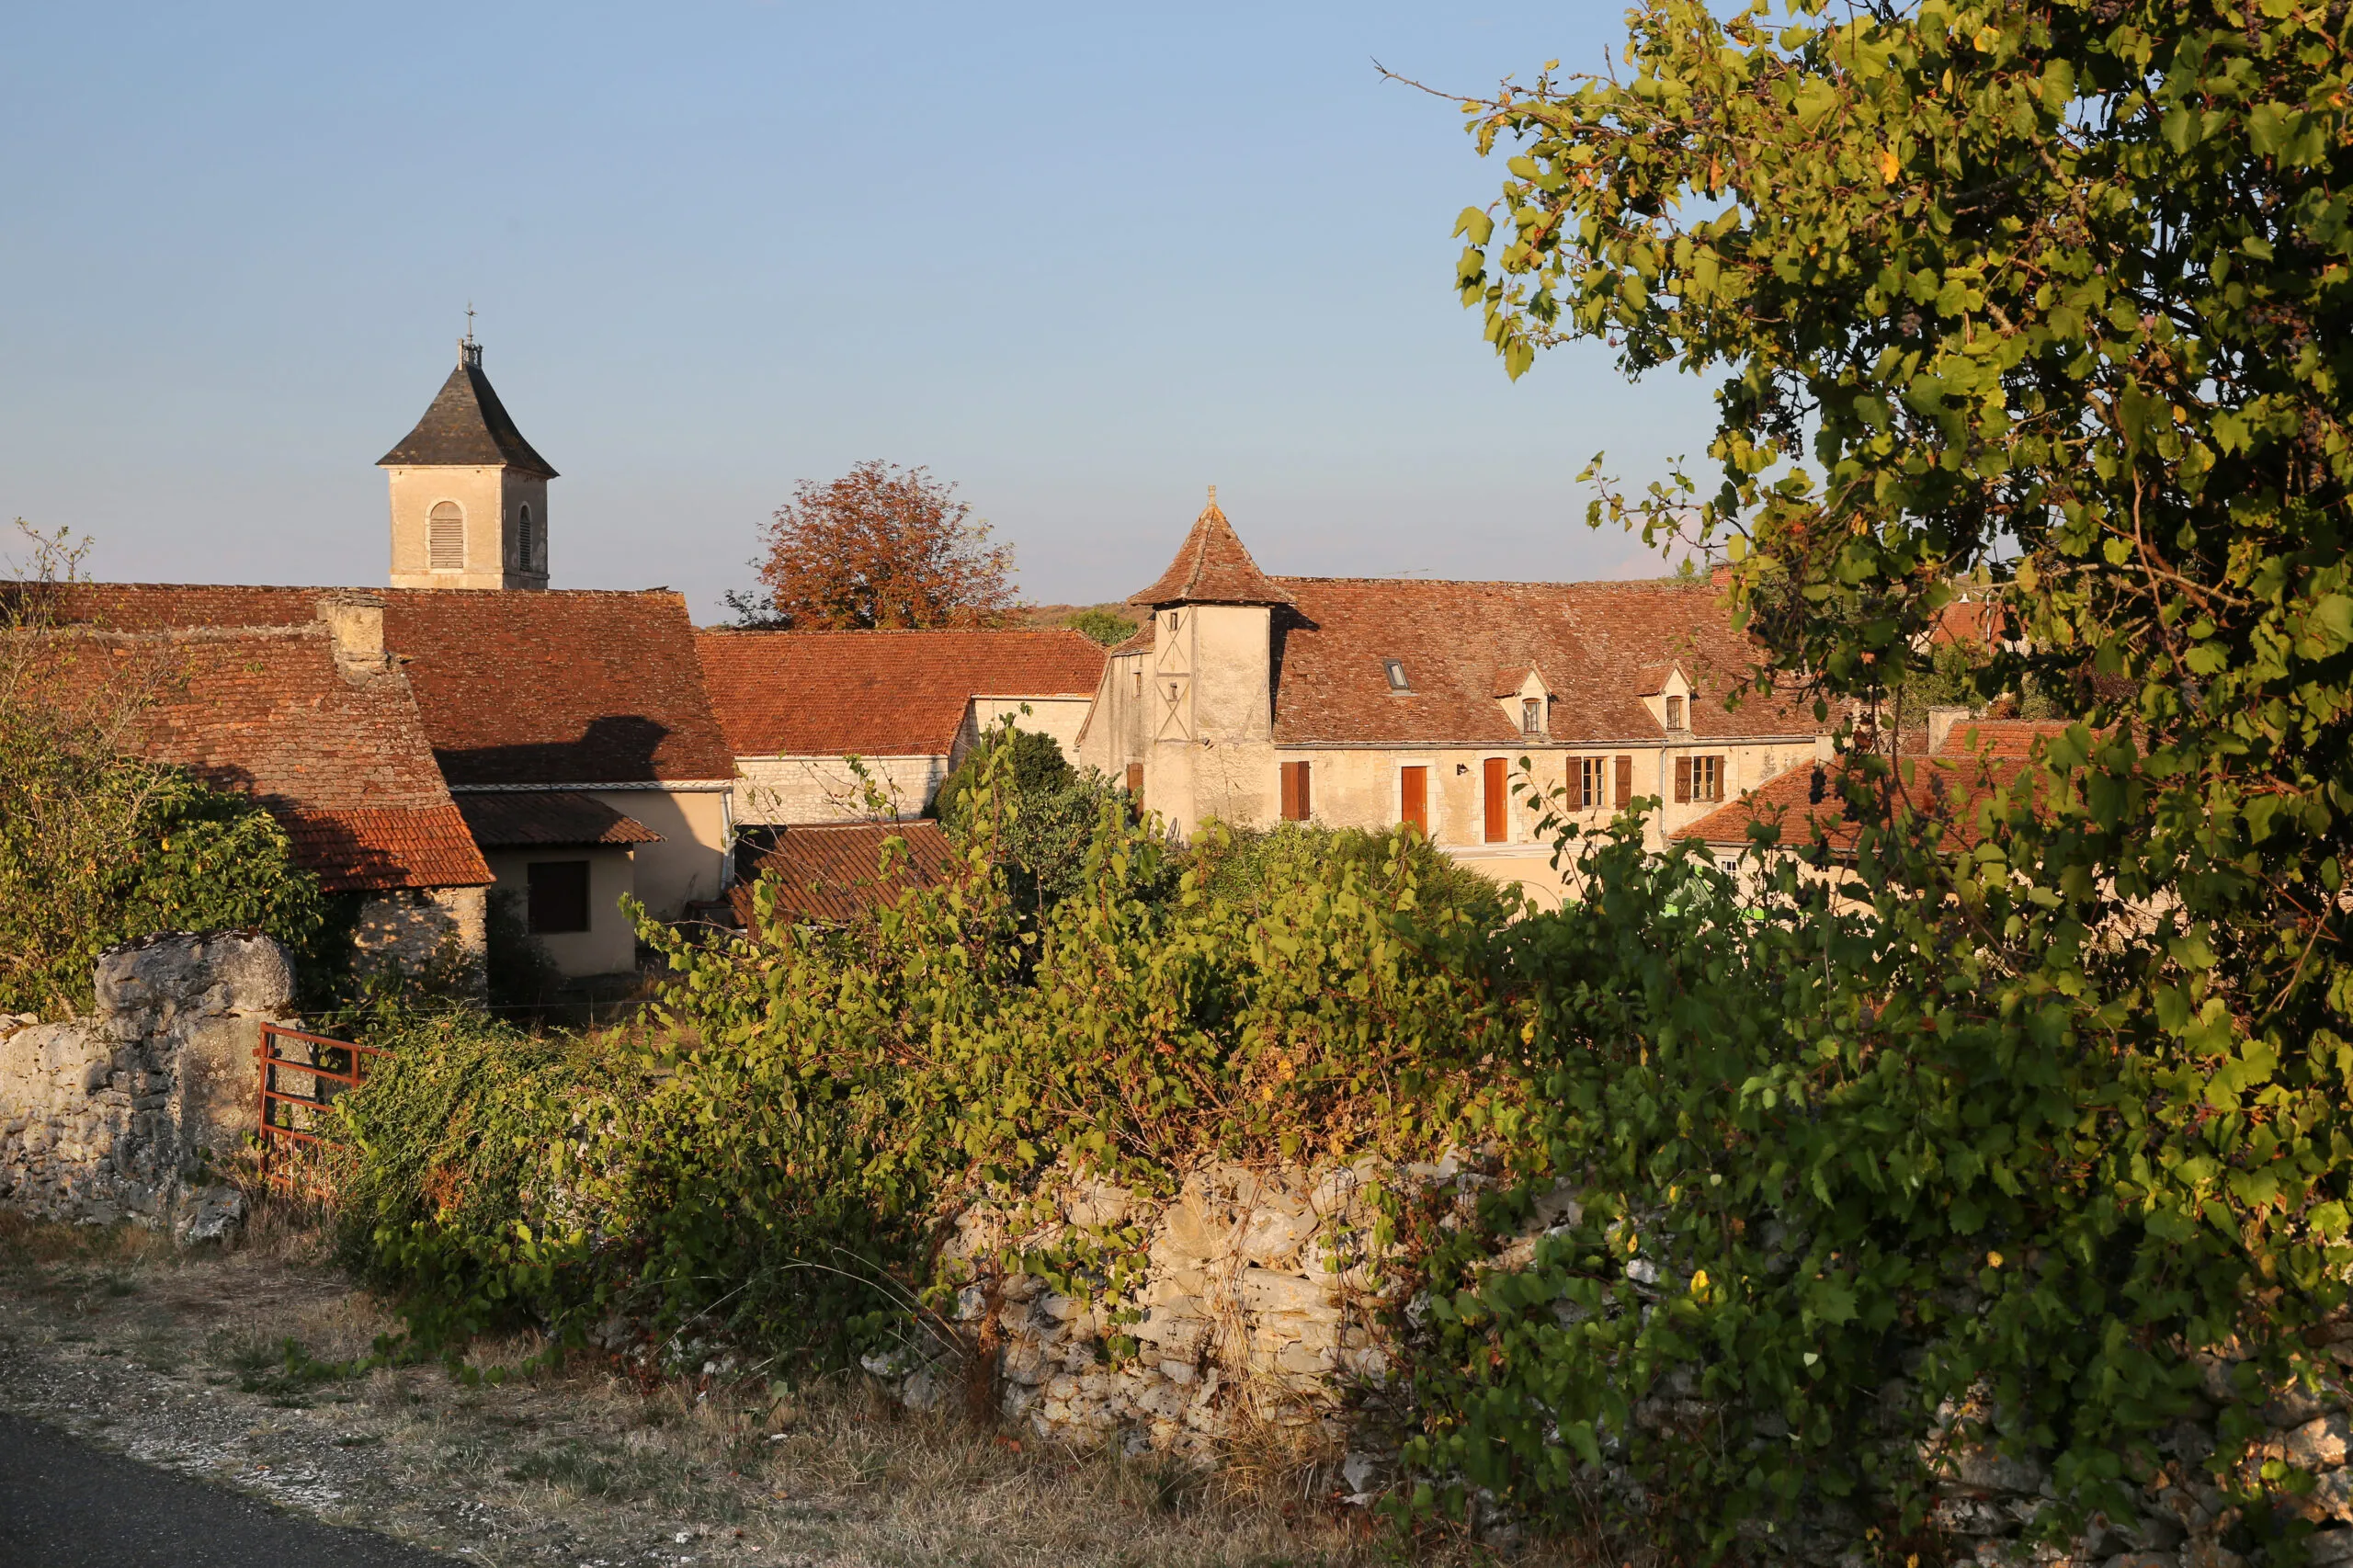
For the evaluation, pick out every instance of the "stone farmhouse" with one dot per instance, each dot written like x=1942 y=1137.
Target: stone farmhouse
x=908 y=705
x=1367 y=703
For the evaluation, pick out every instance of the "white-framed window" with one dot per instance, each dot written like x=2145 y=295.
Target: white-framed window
x=1674 y=712
x=445 y=537
x=1532 y=715
x=1592 y=782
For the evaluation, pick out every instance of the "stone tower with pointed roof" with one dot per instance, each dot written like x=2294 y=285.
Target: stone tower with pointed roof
x=1210 y=705
x=470 y=496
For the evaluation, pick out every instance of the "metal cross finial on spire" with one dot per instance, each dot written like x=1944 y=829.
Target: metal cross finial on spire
x=469 y=351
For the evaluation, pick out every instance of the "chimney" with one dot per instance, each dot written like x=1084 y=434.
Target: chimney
x=356 y=621
x=1940 y=723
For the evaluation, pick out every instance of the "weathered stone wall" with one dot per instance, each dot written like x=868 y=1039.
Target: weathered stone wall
x=1257 y=1306
x=129 y=1112
x=1259 y=1303
x=422 y=929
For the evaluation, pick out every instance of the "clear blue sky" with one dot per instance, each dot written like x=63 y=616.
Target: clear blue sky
x=1081 y=260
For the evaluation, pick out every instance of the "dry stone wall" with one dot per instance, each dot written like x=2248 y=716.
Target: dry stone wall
x=131 y=1113
x=1260 y=1301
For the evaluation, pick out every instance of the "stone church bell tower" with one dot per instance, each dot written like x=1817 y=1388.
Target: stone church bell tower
x=470 y=496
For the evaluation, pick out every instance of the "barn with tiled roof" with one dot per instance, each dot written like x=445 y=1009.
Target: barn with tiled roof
x=794 y=705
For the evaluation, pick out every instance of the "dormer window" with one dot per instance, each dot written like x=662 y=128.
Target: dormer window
x=1531 y=716
x=1395 y=669
x=1674 y=712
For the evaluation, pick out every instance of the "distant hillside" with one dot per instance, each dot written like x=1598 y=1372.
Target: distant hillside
x=1106 y=623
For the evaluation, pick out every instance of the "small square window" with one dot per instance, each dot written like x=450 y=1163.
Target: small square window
x=1395 y=669
x=558 y=899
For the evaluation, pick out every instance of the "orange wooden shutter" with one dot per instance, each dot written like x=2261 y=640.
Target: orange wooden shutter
x=1414 y=797
x=1682 y=778
x=1576 y=784
x=1499 y=796
x=1306 y=801
x=1625 y=782
x=1295 y=804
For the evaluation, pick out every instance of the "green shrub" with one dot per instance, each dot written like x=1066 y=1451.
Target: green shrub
x=98 y=850
x=775 y=1166
x=1251 y=866
x=1031 y=764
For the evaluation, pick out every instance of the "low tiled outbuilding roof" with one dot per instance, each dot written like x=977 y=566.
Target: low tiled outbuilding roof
x=551 y=817
x=833 y=871
x=878 y=693
x=336 y=753
x=1600 y=646
x=1978 y=757
x=1212 y=568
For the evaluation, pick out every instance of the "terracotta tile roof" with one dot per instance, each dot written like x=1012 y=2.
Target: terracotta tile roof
x=833 y=872
x=878 y=693
x=2001 y=737
x=1211 y=567
x=1599 y=646
x=550 y=686
x=337 y=754
x=376 y=850
x=466 y=425
x=558 y=816
x=540 y=687
x=1977 y=756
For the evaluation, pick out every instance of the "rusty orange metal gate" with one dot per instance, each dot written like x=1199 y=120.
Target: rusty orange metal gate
x=289 y=1106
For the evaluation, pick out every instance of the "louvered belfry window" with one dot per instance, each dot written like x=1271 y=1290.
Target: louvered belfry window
x=445 y=535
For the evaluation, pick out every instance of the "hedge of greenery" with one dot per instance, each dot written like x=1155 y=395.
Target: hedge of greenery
x=97 y=850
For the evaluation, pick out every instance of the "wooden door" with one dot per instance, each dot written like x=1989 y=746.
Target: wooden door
x=1498 y=793
x=1414 y=797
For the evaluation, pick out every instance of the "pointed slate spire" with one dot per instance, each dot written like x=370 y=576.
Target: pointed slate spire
x=467 y=427
x=1211 y=568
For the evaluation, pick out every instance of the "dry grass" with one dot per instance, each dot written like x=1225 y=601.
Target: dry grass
x=183 y=1360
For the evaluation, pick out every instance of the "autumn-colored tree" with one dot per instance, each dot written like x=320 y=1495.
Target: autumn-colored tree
x=881 y=547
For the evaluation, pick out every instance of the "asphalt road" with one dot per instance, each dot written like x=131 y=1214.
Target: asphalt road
x=66 y=1504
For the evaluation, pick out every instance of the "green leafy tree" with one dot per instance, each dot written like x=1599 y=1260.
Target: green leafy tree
x=1102 y=626
x=2051 y=299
